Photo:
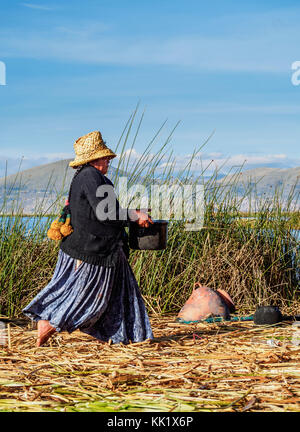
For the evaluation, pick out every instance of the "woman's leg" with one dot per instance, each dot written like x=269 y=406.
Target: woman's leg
x=45 y=331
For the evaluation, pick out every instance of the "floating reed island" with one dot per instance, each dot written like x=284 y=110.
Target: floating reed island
x=234 y=367
x=253 y=254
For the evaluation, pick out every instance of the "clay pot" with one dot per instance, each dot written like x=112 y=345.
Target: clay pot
x=227 y=299
x=203 y=303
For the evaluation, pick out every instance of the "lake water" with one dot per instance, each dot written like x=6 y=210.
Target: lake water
x=26 y=225
x=41 y=224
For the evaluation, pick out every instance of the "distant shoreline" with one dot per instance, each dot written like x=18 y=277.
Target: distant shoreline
x=27 y=215
x=241 y=214
x=242 y=218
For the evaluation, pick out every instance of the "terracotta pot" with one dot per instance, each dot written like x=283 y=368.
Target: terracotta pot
x=228 y=300
x=203 y=303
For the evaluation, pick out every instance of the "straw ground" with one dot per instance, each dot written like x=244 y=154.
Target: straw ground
x=201 y=367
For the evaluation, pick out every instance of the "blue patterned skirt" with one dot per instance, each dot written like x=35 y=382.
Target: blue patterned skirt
x=104 y=302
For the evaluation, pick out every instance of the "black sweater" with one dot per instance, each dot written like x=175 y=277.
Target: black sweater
x=97 y=238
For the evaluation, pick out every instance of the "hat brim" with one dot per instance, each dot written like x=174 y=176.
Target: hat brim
x=97 y=155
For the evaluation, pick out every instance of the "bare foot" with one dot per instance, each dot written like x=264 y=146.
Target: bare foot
x=45 y=331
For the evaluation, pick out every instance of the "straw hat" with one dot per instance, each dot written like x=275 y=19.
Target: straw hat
x=90 y=147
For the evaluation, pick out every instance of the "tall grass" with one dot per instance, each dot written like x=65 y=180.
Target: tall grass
x=255 y=260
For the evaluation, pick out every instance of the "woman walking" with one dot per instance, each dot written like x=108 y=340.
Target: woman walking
x=93 y=288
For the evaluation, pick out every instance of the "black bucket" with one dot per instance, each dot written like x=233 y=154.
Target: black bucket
x=154 y=237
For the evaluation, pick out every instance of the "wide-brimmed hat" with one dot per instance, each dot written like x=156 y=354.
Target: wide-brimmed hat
x=90 y=147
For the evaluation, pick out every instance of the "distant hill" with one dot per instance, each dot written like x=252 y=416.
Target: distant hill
x=41 y=184
x=38 y=178
x=267 y=177
x=264 y=181
x=34 y=185
x=55 y=175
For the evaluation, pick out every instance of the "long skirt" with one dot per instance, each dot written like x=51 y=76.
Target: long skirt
x=104 y=302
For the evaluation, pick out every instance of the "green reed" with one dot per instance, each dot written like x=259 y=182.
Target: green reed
x=256 y=260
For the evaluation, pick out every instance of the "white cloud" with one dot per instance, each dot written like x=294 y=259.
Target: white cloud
x=218 y=161
x=132 y=154
x=36 y=6
x=225 y=163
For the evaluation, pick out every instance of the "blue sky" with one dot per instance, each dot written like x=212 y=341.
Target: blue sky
x=222 y=66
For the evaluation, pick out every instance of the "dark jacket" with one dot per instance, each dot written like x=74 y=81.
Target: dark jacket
x=95 y=241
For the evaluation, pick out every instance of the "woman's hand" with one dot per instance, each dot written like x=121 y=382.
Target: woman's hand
x=141 y=218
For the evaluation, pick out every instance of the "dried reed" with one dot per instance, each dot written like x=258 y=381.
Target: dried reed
x=202 y=367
